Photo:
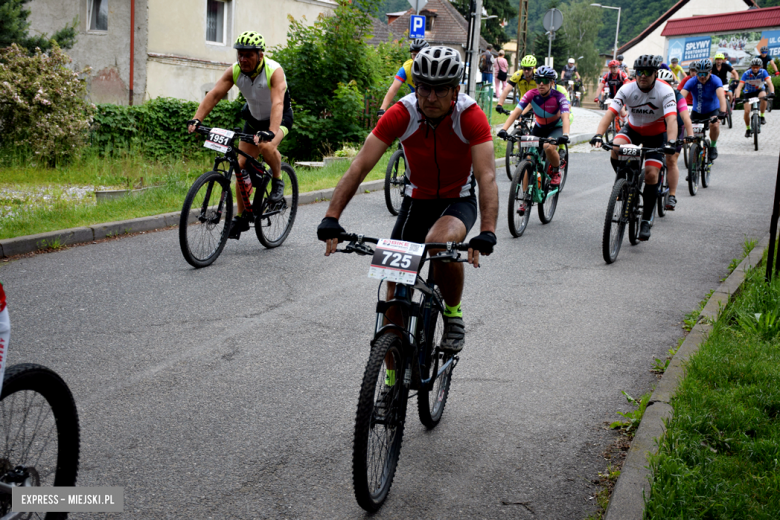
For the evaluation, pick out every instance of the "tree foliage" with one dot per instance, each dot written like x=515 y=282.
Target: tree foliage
x=42 y=103
x=581 y=32
x=14 y=28
x=492 y=30
x=329 y=67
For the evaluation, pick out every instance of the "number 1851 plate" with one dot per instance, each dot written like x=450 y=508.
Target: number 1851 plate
x=396 y=261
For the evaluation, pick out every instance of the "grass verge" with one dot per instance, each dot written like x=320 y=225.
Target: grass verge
x=720 y=455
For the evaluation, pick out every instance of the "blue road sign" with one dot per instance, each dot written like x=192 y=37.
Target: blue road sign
x=417 y=27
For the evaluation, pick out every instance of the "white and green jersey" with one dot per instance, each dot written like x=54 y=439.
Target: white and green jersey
x=257 y=89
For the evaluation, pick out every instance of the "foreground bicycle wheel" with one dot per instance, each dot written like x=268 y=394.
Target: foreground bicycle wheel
x=517 y=222
x=395 y=182
x=755 y=124
x=693 y=170
x=432 y=399
x=728 y=113
x=39 y=432
x=663 y=199
x=614 y=225
x=706 y=170
x=512 y=157
x=205 y=219
x=547 y=207
x=379 y=424
x=274 y=220
x=564 y=158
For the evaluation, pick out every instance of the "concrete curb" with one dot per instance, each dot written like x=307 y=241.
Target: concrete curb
x=31 y=243
x=627 y=502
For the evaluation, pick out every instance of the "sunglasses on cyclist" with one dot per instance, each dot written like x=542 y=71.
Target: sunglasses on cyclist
x=528 y=69
x=703 y=74
x=544 y=81
x=425 y=90
x=645 y=72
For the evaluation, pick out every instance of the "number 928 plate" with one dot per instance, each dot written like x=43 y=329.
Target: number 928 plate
x=396 y=261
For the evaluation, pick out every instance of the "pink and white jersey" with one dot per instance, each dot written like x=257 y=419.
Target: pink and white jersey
x=646 y=110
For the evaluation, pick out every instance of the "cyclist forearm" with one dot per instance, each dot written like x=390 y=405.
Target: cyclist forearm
x=605 y=121
x=686 y=117
x=485 y=174
x=671 y=127
x=722 y=99
x=346 y=188
x=391 y=92
x=505 y=93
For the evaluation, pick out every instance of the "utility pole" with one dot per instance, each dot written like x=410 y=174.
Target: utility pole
x=522 y=32
x=476 y=18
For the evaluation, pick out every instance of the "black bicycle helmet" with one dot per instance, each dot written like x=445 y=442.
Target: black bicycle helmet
x=705 y=65
x=437 y=66
x=648 y=61
x=764 y=49
x=417 y=45
x=545 y=72
x=756 y=62
x=619 y=57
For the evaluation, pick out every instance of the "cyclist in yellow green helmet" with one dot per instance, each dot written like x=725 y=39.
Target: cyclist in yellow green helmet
x=267 y=113
x=523 y=79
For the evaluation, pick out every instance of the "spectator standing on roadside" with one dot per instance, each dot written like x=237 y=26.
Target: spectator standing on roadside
x=500 y=70
x=486 y=61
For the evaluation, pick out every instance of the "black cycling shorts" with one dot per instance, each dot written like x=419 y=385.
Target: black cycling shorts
x=252 y=125
x=699 y=117
x=553 y=133
x=649 y=141
x=417 y=216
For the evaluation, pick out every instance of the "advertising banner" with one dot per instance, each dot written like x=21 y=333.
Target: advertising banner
x=739 y=48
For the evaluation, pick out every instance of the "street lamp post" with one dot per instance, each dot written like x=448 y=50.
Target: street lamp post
x=614 y=53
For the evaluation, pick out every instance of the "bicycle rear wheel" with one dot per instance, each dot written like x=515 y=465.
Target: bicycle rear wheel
x=755 y=124
x=614 y=224
x=517 y=197
x=274 y=220
x=395 y=182
x=39 y=432
x=706 y=170
x=205 y=219
x=693 y=170
x=432 y=399
x=379 y=424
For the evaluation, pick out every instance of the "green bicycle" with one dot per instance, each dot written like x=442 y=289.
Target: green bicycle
x=531 y=185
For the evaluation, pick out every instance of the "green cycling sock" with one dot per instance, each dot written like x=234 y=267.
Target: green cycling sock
x=390 y=377
x=748 y=127
x=453 y=312
x=762 y=114
x=712 y=143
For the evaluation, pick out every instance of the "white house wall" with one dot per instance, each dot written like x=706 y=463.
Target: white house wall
x=654 y=43
x=180 y=61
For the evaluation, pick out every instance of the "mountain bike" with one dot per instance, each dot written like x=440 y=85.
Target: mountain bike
x=405 y=356
x=605 y=100
x=522 y=126
x=699 y=164
x=614 y=128
x=575 y=96
x=204 y=225
x=625 y=201
x=531 y=185
x=396 y=181
x=39 y=433
x=755 y=115
x=663 y=191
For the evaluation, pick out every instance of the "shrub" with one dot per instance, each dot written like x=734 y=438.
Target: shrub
x=43 y=104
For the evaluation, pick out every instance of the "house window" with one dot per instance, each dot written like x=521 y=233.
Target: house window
x=428 y=23
x=216 y=20
x=98 y=15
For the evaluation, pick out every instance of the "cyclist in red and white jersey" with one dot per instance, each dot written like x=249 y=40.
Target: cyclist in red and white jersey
x=652 y=112
x=614 y=79
x=443 y=133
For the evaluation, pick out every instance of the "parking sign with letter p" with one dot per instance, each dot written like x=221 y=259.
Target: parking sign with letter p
x=417 y=27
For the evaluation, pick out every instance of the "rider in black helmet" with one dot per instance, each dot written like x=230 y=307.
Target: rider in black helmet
x=404 y=75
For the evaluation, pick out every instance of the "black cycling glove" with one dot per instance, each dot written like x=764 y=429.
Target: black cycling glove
x=502 y=134
x=265 y=135
x=564 y=139
x=195 y=122
x=380 y=112
x=500 y=109
x=483 y=242
x=722 y=115
x=329 y=228
x=596 y=139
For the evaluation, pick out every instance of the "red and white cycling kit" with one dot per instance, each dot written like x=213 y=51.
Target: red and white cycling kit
x=646 y=110
x=614 y=81
x=438 y=157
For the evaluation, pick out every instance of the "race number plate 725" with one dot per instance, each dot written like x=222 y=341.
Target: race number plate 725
x=219 y=139
x=396 y=261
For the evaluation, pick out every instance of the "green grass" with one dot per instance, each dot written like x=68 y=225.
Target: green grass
x=720 y=457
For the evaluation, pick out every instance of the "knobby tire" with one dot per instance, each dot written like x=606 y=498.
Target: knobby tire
x=693 y=170
x=274 y=220
x=205 y=219
x=518 y=223
x=378 y=431
x=432 y=399
x=395 y=182
x=614 y=225
x=756 y=126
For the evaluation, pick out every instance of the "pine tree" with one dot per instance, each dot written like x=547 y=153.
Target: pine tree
x=14 y=29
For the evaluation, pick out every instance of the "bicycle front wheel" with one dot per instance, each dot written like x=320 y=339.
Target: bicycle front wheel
x=39 y=432
x=693 y=170
x=728 y=113
x=564 y=169
x=519 y=198
x=395 y=182
x=706 y=169
x=432 y=397
x=614 y=224
x=663 y=196
x=274 y=220
x=205 y=219
x=379 y=423
x=547 y=207
x=755 y=123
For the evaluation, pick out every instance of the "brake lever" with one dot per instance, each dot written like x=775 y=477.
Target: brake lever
x=354 y=247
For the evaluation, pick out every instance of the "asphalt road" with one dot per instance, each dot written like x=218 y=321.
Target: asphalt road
x=230 y=391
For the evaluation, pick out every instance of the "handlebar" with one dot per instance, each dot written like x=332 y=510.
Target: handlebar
x=543 y=140
x=359 y=244
x=202 y=129
x=611 y=145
